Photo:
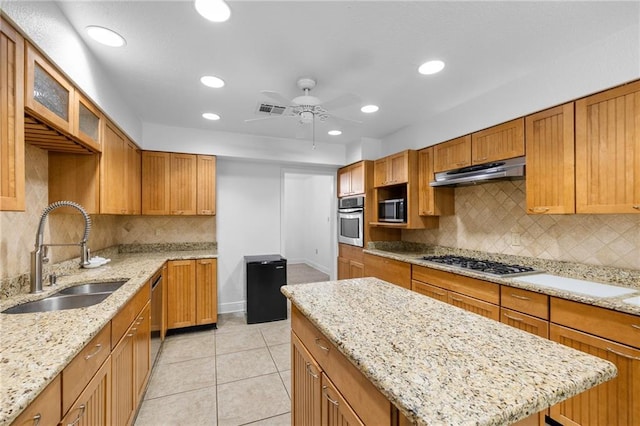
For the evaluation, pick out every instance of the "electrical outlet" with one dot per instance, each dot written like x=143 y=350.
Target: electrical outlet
x=515 y=239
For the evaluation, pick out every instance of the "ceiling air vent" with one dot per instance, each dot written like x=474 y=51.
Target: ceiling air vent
x=270 y=109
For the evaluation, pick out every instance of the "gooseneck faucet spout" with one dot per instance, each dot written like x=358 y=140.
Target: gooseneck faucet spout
x=39 y=255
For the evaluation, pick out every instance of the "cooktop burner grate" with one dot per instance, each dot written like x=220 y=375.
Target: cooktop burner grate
x=488 y=267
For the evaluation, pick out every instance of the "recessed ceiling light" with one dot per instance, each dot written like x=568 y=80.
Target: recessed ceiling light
x=212 y=81
x=431 y=67
x=213 y=10
x=105 y=36
x=335 y=132
x=211 y=116
x=369 y=109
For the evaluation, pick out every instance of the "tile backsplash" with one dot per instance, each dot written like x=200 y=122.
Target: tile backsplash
x=492 y=217
x=18 y=229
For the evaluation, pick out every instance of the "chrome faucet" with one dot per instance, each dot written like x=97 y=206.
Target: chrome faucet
x=39 y=256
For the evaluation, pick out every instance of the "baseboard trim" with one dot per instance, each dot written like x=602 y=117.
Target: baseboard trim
x=230 y=307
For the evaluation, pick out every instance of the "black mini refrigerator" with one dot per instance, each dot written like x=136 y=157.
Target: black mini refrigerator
x=265 y=275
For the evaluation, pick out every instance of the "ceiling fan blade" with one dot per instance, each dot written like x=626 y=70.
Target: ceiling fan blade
x=343 y=120
x=341 y=101
x=276 y=97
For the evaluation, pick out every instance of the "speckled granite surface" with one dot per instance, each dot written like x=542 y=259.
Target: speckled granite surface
x=442 y=365
x=35 y=348
x=412 y=253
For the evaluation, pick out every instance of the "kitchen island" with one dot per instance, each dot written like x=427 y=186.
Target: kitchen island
x=435 y=363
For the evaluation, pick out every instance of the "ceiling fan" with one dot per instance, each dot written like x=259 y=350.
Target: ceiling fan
x=308 y=109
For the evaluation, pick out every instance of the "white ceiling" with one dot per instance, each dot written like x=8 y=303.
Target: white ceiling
x=368 y=49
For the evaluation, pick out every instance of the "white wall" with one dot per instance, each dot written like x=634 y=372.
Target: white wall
x=293 y=215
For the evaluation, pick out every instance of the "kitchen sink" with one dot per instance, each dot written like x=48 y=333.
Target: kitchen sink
x=58 y=302
x=90 y=288
x=633 y=301
x=576 y=286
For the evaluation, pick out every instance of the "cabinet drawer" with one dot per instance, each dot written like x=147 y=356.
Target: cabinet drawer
x=393 y=271
x=525 y=301
x=351 y=252
x=525 y=322
x=93 y=405
x=612 y=325
x=430 y=290
x=488 y=310
x=367 y=401
x=45 y=409
x=479 y=289
x=81 y=369
x=123 y=319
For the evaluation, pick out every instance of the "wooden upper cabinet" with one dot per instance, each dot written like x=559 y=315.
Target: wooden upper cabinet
x=392 y=170
x=74 y=177
x=183 y=184
x=206 y=185
x=88 y=123
x=351 y=180
x=499 y=142
x=550 y=182
x=48 y=94
x=12 y=177
x=432 y=201
x=156 y=178
x=133 y=178
x=113 y=197
x=608 y=151
x=453 y=154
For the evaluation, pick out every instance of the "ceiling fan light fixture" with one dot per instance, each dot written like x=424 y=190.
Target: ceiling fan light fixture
x=306 y=117
x=211 y=116
x=105 y=36
x=431 y=67
x=213 y=10
x=212 y=81
x=334 y=132
x=368 y=109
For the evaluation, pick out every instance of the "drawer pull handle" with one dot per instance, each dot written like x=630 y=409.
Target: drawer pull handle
x=637 y=207
x=516 y=296
x=461 y=163
x=539 y=209
x=326 y=395
x=80 y=414
x=439 y=294
x=635 y=358
x=324 y=348
x=95 y=352
x=311 y=373
x=455 y=299
x=635 y=326
x=513 y=318
x=36 y=419
x=481 y=159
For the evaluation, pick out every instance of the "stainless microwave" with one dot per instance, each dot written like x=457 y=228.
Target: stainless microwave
x=392 y=210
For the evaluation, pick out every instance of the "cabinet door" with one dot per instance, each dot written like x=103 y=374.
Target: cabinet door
x=432 y=201
x=430 y=290
x=357 y=178
x=181 y=293
x=524 y=322
x=48 y=94
x=206 y=198
x=550 y=145
x=93 y=406
x=393 y=271
x=123 y=398
x=12 y=190
x=133 y=178
x=380 y=172
x=88 y=123
x=488 y=310
x=608 y=151
x=356 y=269
x=344 y=182
x=616 y=402
x=45 y=409
x=453 y=154
x=343 y=268
x=499 y=142
x=335 y=409
x=75 y=177
x=113 y=199
x=142 y=351
x=399 y=168
x=156 y=183
x=206 y=291
x=183 y=184
x=306 y=384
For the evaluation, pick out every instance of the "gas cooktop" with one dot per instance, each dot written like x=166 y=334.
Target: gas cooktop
x=487 y=267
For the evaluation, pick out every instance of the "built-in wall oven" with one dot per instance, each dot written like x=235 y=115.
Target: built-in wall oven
x=351 y=221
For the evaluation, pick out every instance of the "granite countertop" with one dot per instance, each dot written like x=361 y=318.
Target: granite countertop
x=412 y=253
x=439 y=364
x=36 y=347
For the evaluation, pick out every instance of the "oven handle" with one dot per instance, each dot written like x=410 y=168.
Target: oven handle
x=356 y=210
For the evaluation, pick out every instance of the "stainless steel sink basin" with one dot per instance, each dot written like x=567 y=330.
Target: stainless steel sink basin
x=58 y=303
x=90 y=288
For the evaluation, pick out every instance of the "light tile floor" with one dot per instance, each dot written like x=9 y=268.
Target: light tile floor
x=238 y=374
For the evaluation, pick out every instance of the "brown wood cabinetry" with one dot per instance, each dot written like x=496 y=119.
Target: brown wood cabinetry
x=93 y=405
x=350 y=262
x=452 y=154
x=12 y=177
x=392 y=170
x=390 y=270
x=120 y=173
x=525 y=301
x=432 y=201
x=191 y=293
x=499 y=142
x=430 y=290
x=75 y=177
x=178 y=184
x=335 y=410
x=88 y=122
x=45 y=409
x=608 y=151
x=306 y=383
x=351 y=180
x=525 y=322
x=550 y=182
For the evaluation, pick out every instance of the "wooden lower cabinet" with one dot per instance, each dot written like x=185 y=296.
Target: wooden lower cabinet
x=335 y=410
x=142 y=351
x=391 y=270
x=45 y=409
x=350 y=262
x=192 y=293
x=525 y=322
x=306 y=384
x=480 y=307
x=92 y=408
x=430 y=290
x=616 y=402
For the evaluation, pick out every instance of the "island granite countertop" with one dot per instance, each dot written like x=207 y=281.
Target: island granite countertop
x=35 y=347
x=439 y=364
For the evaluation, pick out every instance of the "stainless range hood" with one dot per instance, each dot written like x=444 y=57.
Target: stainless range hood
x=504 y=169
